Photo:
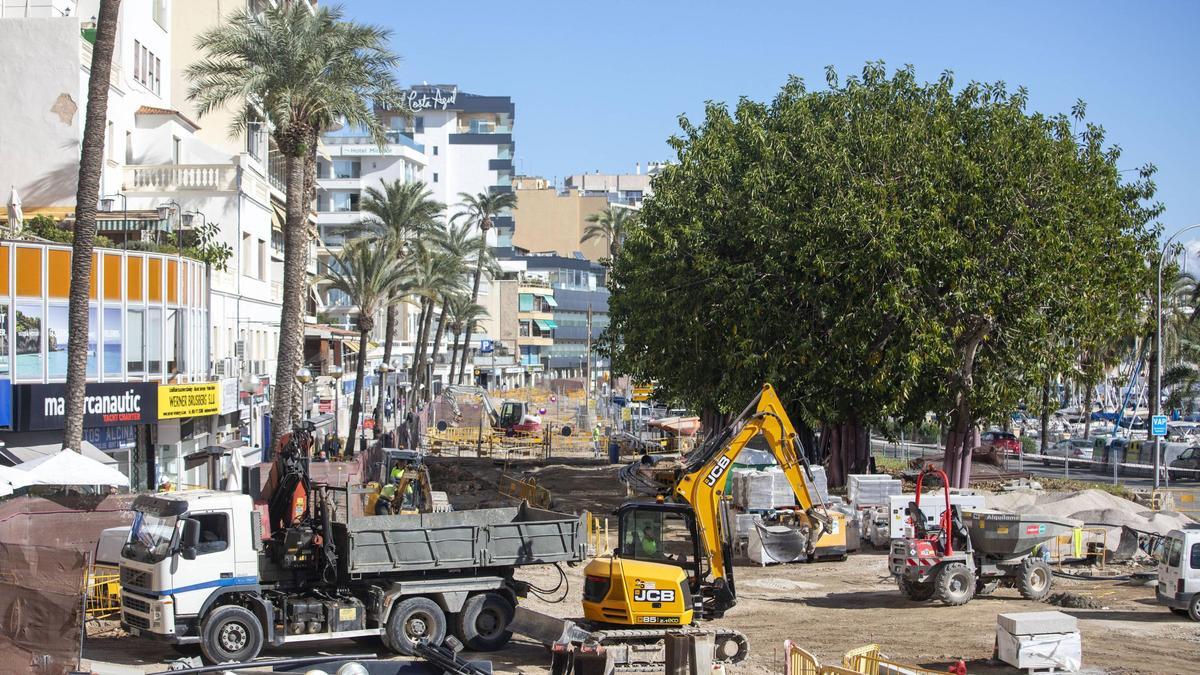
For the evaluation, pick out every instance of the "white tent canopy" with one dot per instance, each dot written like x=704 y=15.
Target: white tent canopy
x=11 y=479
x=68 y=467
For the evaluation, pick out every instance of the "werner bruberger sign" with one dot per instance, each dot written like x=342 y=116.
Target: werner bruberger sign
x=189 y=400
x=41 y=407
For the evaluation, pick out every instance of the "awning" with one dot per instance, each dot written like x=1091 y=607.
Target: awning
x=550 y=300
x=545 y=325
x=278 y=216
x=351 y=346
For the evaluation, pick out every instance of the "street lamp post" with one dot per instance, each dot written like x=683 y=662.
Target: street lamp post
x=335 y=375
x=304 y=376
x=106 y=205
x=164 y=213
x=1158 y=347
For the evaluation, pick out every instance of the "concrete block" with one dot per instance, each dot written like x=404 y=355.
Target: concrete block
x=1057 y=651
x=1036 y=623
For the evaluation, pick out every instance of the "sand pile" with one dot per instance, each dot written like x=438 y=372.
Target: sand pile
x=1120 y=517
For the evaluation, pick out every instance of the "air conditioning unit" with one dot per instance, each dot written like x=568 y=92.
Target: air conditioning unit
x=239 y=349
x=224 y=367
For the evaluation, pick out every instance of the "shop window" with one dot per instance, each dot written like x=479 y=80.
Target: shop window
x=29 y=341
x=154 y=334
x=135 y=343
x=29 y=272
x=4 y=333
x=93 y=363
x=172 y=281
x=57 y=324
x=112 y=342
x=59 y=273
x=172 y=337
x=3 y=270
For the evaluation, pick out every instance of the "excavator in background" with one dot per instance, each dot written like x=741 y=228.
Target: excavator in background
x=513 y=417
x=673 y=564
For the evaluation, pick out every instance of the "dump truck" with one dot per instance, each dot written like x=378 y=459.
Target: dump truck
x=218 y=571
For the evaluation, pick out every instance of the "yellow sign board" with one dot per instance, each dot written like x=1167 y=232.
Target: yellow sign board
x=189 y=400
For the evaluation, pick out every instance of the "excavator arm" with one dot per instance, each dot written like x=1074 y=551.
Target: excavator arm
x=707 y=470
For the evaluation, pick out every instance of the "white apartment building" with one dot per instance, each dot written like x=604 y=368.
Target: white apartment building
x=160 y=158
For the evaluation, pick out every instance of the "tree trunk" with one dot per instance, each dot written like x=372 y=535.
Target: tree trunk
x=437 y=340
x=849 y=450
x=453 y=357
x=356 y=406
x=87 y=196
x=957 y=458
x=1087 y=410
x=295 y=284
x=1045 y=432
x=389 y=334
x=466 y=345
x=420 y=349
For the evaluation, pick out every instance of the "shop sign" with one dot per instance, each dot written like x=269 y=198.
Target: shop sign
x=434 y=98
x=189 y=400
x=112 y=438
x=325 y=406
x=42 y=407
x=229 y=395
x=6 y=401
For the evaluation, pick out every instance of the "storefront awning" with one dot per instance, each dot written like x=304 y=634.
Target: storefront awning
x=350 y=346
x=550 y=300
x=545 y=325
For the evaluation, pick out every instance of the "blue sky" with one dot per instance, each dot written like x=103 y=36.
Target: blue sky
x=600 y=85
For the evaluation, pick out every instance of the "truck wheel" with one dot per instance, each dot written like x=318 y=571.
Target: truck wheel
x=955 y=584
x=916 y=590
x=483 y=622
x=413 y=620
x=1034 y=578
x=230 y=633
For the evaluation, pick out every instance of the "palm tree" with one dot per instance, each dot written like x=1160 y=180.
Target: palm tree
x=87 y=197
x=369 y=273
x=300 y=71
x=609 y=226
x=398 y=212
x=479 y=210
x=463 y=312
x=435 y=275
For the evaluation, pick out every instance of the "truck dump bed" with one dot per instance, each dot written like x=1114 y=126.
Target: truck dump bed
x=502 y=537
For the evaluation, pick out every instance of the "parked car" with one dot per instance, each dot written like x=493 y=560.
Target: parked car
x=1188 y=459
x=1001 y=441
x=1072 y=448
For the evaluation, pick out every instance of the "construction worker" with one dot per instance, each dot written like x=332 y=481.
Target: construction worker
x=596 y=441
x=397 y=472
x=649 y=543
x=383 y=505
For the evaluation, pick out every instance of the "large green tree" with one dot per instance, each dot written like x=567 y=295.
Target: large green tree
x=300 y=71
x=882 y=248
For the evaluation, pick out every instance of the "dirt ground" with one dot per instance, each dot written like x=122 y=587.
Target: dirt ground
x=827 y=608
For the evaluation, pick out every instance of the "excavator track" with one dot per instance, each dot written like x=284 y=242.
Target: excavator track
x=644 y=650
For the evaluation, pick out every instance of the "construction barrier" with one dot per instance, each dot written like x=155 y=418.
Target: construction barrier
x=526 y=490
x=1083 y=543
x=865 y=660
x=1179 y=500
x=597 y=534
x=103 y=584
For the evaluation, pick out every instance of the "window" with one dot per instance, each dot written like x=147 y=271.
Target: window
x=158 y=9
x=154 y=341
x=56 y=342
x=262 y=259
x=214 y=532
x=4 y=366
x=1195 y=562
x=343 y=201
x=93 y=363
x=149 y=81
x=135 y=344
x=435 y=151
x=171 y=335
x=657 y=536
x=435 y=177
x=1173 y=551
x=247 y=243
x=29 y=341
x=137 y=60
x=175 y=150
x=112 y=342
x=419 y=124
x=110 y=141
x=129 y=147
x=346 y=168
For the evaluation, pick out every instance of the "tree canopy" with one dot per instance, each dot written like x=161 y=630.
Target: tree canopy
x=883 y=248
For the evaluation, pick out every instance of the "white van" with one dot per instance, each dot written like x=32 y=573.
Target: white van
x=1179 y=572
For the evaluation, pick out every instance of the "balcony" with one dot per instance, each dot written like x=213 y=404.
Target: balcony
x=338 y=217
x=359 y=144
x=535 y=341
x=277 y=171
x=180 y=178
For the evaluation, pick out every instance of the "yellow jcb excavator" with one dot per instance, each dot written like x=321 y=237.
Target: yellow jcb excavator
x=673 y=564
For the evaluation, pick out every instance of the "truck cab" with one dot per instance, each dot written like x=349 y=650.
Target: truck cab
x=184 y=550
x=1179 y=572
